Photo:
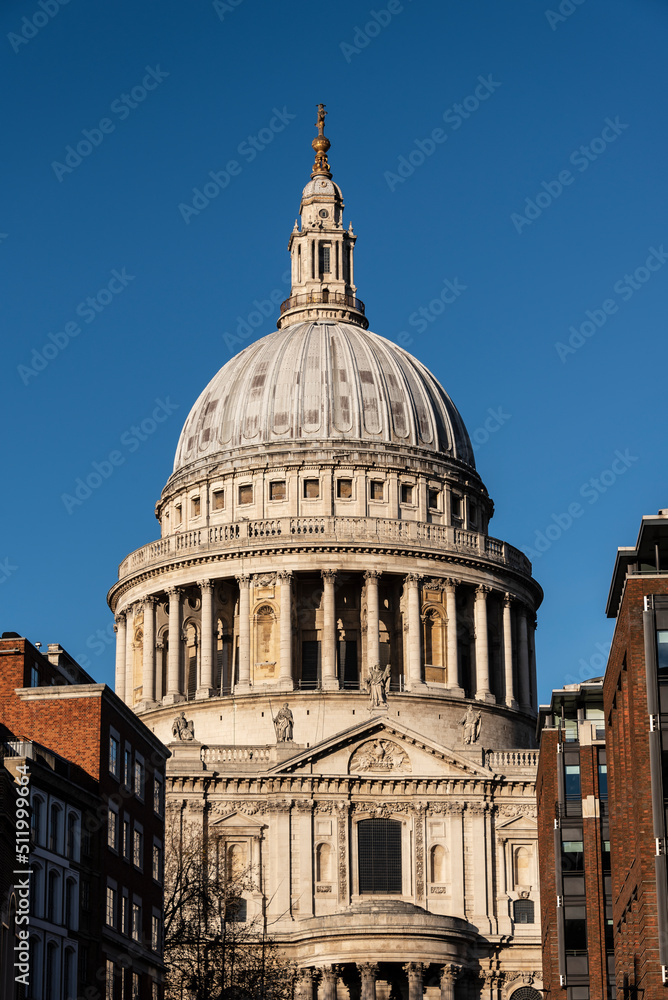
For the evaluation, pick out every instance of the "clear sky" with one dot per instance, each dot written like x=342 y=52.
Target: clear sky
x=516 y=149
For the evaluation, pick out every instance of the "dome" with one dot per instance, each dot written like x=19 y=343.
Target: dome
x=323 y=381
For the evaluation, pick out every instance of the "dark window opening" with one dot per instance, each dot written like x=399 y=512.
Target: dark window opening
x=575 y=929
x=379 y=842
x=310 y=663
x=348 y=663
x=324 y=259
x=311 y=489
x=376 y=489
x=662 y=650
x=277 y=490
x=572 y=781
x=434 y=496
x=406 y=493
x=344 y=488
x=572 y=856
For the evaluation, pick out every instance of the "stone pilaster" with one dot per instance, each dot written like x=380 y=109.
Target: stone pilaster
x=243 y=680
x=449 y=976
x=454 y=682
x=511 y=701
x=129 y=654
x=329 y=679
x=415 y=973
x=483 y=692
x=207 y=653
x=173 y=693
x=373 y=621
x=119 y=629
x=523 y=660
x=328 y=981
x=285 y=680
x=368 y=974
x=148 y=653
x=413 y=651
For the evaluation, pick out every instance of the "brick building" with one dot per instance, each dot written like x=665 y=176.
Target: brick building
x=97 y=805
x=635 y=695
x=574 y=845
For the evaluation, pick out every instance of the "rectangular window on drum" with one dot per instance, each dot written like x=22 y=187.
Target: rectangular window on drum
x=324 y=259
x=379 y=852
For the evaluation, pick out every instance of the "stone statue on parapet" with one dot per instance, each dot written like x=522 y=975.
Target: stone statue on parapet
x=182 y=729
x=284 y=725
x=472 y=723
x=379 y=682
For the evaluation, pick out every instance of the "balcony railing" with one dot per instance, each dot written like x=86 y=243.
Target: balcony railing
x=322 y=297
x=369 y=532
x=511 y=760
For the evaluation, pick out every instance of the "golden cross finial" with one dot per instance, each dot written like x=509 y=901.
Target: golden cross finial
x=321 y=144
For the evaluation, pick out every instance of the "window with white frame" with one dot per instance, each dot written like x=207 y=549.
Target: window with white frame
x=139 y=776
x=110 y=913
x=158 y=794
x=157 y=861
x=112 y=829
x=138 y=847
x=114 y=753
x=136 y=920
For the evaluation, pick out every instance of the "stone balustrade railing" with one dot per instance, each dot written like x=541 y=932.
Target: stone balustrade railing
x=238 y=755
x=361 y=531
x=509 y=760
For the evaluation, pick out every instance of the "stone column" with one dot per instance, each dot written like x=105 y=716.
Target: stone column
x=414 y=655
x=372 y=620
x=173 y=693
x=453 y=679
x=532 y=662
x=148 y=652
x=159 y=647
x=523 y=661
x=508 y=652
x=483 y=692
x=368 y=973
x=328 y=983
x=129 y=654
x=207 y=652
x=330 y=681
x=119 y=629
x=285 y=680
x=449 y=977
x=414 y=971
x=243 y=680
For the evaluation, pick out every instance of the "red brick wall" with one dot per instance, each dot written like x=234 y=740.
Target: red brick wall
x=548 y=797
x=631 y=828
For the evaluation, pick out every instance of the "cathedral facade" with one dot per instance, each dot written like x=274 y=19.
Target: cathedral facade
x=340 y=656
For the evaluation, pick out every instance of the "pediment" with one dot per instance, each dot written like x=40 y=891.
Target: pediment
x=521 y=824
x=380 y=748
x=236 y=822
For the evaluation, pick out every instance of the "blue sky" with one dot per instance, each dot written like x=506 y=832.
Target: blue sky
x=541 y=194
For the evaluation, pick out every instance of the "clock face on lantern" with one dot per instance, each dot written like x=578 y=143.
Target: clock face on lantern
x=323 y=213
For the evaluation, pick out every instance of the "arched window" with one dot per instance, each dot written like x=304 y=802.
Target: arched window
x=55 y=828
x=379 y=853
x=73 y=836
x=38 y=823
x=71 y=904
x=70 y=974
x=434 y=647
x=236 y=861
x=522 y=866
x=53 y=901
x=523 y=911
x=437 y=864
x=324 y=863
x=52 y=977
x=36 y=965
x=526 y=993
x=266 y=653
x=37 y=890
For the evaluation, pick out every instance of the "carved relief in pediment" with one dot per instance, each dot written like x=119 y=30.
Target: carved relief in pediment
x=380 y=756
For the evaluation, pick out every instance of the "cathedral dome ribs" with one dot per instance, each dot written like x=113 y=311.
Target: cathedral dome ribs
x=339 y=655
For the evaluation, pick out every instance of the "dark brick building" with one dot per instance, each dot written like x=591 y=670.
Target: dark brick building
x=97 y=813
x=635 y=695
x=574 y=845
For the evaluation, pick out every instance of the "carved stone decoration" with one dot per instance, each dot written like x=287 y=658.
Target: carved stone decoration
x=342 y=824
x=379 y=756
x=472 y=723
x=419 y=854
x=284 y=725
x=182 y=729
x=227 y=806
